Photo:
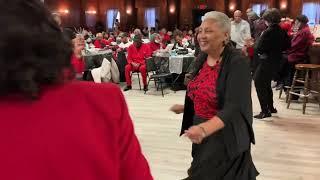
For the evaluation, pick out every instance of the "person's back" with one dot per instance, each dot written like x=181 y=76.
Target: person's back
x=50 y=127
x=273 y=42
x=74 y=131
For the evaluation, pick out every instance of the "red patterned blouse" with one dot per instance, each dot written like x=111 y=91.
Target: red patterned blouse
x=202 y=90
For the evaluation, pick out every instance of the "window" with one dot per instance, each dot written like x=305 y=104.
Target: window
x=312 y=11
x=112 y=15
x=150 y=17
x=257 y=8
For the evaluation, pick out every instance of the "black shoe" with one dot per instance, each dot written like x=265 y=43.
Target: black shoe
x=262 y=115
x=127 y=88
x=145 y=88
x=273 y=110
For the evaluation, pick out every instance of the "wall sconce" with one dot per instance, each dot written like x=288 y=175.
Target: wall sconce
x=129 y=11
x=172 y=9
x=232 y=7
x=91 y=12
x=283 y=5
x=64 y=11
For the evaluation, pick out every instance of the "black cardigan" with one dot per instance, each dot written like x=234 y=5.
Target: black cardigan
x=234 y=100
x=272 y=43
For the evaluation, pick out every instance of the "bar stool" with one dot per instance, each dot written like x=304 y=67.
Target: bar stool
x=306 y=81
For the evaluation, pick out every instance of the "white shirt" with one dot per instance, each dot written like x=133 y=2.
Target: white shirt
x=240 y=32
x=125 y=45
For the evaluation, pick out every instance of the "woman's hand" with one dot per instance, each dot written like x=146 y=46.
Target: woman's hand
x=196 y=134
x=177 y=108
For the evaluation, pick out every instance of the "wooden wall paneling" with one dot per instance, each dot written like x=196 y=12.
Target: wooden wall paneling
x=212 y=4
x=70 y=19
x=295 y=8
x=129 y=15
x=164 y=12
x=182 y=15
x=173 y=17
x=186 y=7
x=140 y=16
x=219 y=5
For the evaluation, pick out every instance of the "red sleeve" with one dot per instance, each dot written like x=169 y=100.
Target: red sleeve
x=110 y=40
x=301 y=40
x=97 y=44
x=148 y=50
x=106 y=42
x=129 y=58
x=133 y=165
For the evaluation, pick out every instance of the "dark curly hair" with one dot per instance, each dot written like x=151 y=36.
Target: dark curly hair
x=303 y=19
x=272 y=16
x=33 y=50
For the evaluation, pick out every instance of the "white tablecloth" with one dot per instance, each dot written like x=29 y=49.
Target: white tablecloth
x=97 y=52
x=176 y=63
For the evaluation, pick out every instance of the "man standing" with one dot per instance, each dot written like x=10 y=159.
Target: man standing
x=240 y=30
x=137 y=54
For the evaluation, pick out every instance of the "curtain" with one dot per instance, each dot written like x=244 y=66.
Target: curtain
x=114 y=17
x=257 y=8
x=111 y=18
x=150 y=17
x=312 y=11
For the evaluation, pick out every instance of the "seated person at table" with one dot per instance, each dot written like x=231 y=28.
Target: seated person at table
x=77 y=60
x=298 y=52
x=112 y=38
x=180 y=42
x=106 y=36
x=165 y=36
x=125 y=43
x=100 y=42
x=155 y=43
x=137 y=54
x=136 y=32
x=286 y=25
x=88 y=42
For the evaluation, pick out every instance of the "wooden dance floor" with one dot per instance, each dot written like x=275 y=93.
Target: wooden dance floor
x=288 y=144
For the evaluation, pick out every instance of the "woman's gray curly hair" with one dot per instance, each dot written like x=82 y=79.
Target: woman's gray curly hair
x=222 y=19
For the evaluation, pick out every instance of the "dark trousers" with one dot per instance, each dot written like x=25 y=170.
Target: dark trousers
x=280 y=73
x=290 y=69
x=262 y=80
x=142 y=69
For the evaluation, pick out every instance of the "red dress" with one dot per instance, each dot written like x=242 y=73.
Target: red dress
x=153 y=47
x=75 y=131
x=77 y=64
x=202 y=90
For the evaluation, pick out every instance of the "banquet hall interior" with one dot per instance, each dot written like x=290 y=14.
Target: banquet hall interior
x=287 y=141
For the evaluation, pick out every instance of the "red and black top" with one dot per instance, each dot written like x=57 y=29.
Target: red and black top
x=202 y=90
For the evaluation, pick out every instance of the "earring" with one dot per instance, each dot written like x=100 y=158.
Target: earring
x=224 y=43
